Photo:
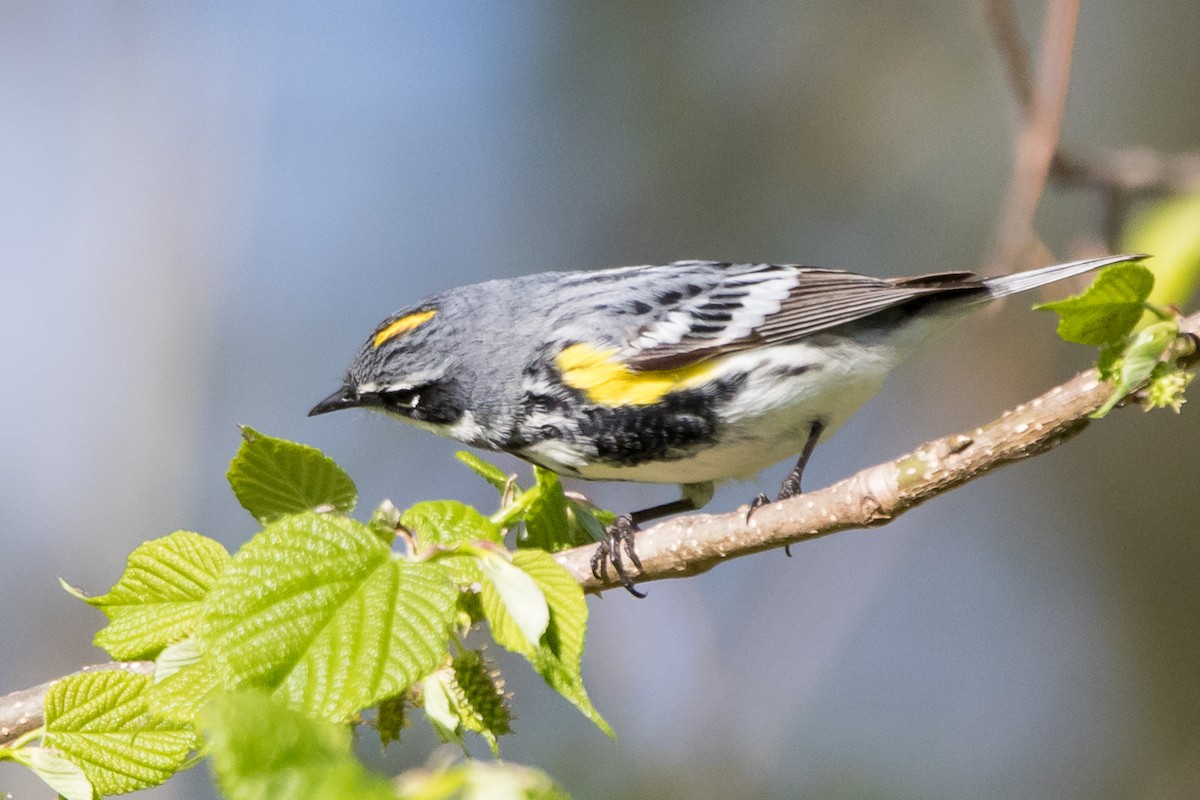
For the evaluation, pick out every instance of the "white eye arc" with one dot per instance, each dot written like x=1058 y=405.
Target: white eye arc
x=399 y=397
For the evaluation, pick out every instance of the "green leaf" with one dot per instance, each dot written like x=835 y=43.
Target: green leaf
x=478 y=780
x=1170 y=229
x=521 y=595
x=438 y=704
x=559 y=653
x=1108 y=309
x=60 y=774
x=273 y=477
x=263 y=751
x=546 y=515
x=1139 y=360
x=177 y=657
x=183 y=682
x=100 y=721
x=484 y=469
x=553 y=521
x=158 y=596
x=318 y=608
x=385 y=522
x=593 y=522
x=447 y=523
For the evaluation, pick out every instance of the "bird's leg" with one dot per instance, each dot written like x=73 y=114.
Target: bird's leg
x=621 y=534
x=791 y=484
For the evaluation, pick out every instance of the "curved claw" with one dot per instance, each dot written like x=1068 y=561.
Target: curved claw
x=600 y=561
x=620 y=537
x=757 y=503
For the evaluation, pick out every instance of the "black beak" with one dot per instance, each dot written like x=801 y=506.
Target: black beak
x=344 y=397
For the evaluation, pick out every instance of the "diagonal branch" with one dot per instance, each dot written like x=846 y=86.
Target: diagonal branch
x=696 y=543
x=1118 y=177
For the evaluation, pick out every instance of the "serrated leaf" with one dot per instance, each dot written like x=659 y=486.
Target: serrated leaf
x=1108 y=309
x=158 y=596
x=63 y=776
x=447 y=523
x=559 y=653
x=319 y=609
x=484 y=469
x=273 y=477
x=520 y=594
x=553 y=522
x=100 y=721
x=261 y=750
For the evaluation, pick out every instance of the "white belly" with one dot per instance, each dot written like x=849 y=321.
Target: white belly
x=772 y=416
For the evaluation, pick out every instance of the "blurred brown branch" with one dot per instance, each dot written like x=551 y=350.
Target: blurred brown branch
x=1043 y=103
x=1119 y=177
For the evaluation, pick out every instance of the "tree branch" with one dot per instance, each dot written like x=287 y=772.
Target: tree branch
x=690 y=545
x=1119 y=177
x=1043 y=103
x=696 y=543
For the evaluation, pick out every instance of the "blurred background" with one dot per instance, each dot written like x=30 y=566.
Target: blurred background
x=207 y=207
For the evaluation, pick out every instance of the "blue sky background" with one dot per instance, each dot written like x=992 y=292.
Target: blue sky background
x=207 y=207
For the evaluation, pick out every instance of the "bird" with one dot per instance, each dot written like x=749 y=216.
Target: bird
x=689 y=373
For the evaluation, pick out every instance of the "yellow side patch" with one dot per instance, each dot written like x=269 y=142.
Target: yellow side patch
x=607 y=382
x=403 y=325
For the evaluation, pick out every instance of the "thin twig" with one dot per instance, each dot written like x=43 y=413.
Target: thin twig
x=1003 y=21
x=1118 y=177
x=1037 y=141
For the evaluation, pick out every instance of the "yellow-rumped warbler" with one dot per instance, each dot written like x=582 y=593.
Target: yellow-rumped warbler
x=688 y=373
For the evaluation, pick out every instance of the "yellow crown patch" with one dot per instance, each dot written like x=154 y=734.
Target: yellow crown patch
x=607 y=382
x=403 y=325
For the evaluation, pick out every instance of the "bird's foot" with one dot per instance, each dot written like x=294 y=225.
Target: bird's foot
x=618 y=545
